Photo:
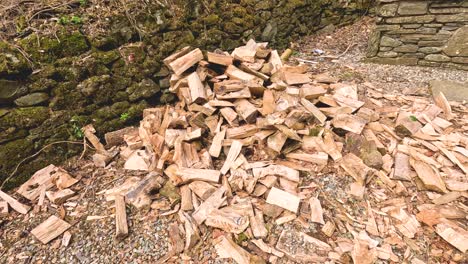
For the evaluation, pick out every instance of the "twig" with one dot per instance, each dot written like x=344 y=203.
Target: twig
x=306 y=61
x=34 y=155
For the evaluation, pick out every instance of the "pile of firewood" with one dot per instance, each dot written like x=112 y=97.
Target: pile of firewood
x=246 y=130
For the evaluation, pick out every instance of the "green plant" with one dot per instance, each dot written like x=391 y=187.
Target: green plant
x=66 y=20
x=83 y=2
x=125 y=116
x=76 y=131
x=413 y=118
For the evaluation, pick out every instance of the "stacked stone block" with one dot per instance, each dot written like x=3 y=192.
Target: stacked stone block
x=421 y=32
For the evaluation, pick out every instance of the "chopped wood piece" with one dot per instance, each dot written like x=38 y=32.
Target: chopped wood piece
x=66 y=239
x=234 y=151
x=268 y=102
x=197 y=89
x=292 y=78
x=64 y=180
x=455 y=235
x=230 y=116
x=226 y=248
x=277 y=170
x=60 y=196
x=258 y=225
x=354 y=166
x=314 y=111
x=50 y=229
x=350 y=123
x=429 y=176
x=227 y=220
x=17 y=206
x=310 y=92
x=320 y=158
x=316 y=211
x=277 y=141
x=121 y=226
x=329 y=228
x=442 y=102
x=116 y=138
x=241 y=132
x=447 y=198
x=213 y=202
x=141 y=193
x=42 y=178
x=236 y=74
x=188 y=175
x=362 y=254
x=89 y=134
x=221 y=59
x=137 y=161
x=217 y=143
x=176 y=55
x=407 y=124
x=184 y=62
x=283 y=199
x=246 y=110
x=3 y=209
x=310 y=250
x=192 y=235
x=266 y=248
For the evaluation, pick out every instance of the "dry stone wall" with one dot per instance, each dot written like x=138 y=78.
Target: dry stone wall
x=107 y=76
x=421 y=32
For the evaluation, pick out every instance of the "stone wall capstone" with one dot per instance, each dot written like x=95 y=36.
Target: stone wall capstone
x=421 y=32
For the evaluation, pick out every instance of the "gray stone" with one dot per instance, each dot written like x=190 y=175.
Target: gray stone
x=422 y=30
x=461 y=60
x=388 y=10
x=409 y=48
x=411 y=19
x=9 y=90
x=269 y=32
x=462 y=17
x=430 y=50
x=414 y=55
x=394 y=61
x=437 y=58
x=387 y=54
x=373 y=44
x=453 y=10
x=429 y=63
x=144 y=89
x=412 y=26
x=413 y=8
x=385 y=48
x=387 y=27
x=457 y=45
x=453 y=91
x=428 y=43
x=32 y=99
x=389 y=42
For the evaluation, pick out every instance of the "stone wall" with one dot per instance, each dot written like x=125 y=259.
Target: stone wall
x=53 y=84
x=421 y=32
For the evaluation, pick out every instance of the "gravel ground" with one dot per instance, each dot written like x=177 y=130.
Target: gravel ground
x=93 y=241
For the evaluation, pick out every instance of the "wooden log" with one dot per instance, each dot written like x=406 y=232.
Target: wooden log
x=89 y=131
x=258 y=225
x=221 y=59
x=42 y=178
x=50 y=229
x=246 y=110
x=197 y=89
x=314 y=110
x=442 y=102
x=141 y=194
x=227 y=220
x=241 y=132
x=355 y=167
x=121 y=226
x=454 y=234
x=230 y=116
x=283 y=199
x=17 y=206
x=316 y=211
x=116 y=138
x=407 y=124
x=213 y=202
x=60 y=196
x=269 y=103
x=350 y=123
x=176 y=55
x=188 y=175
x=277 y=141
x=234 y=152
x=402 y=167
x=310 y=92
x=202 y=189
x=244 y=93
x=226 y=248
x=319 y=158
x=277 y=170
x=217 y=143
x=183 y=63
x=429 y=176
x=236 y=74
x=292 y=78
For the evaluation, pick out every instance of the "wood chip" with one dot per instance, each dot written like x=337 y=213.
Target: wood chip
x=283 y=199
x=50 y=229
x=17 y=206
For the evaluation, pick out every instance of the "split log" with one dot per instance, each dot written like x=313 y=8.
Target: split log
x=188 y=175
x=442 y=102
x=221 y=59
x=314 y=110
x=41 y=179
x=227 y=220
x=268 y=102
x=310 y=92
x=230 y=116
x=121 y=226
x=283 y=199
x=226 y=248
x=455 y=235
x=185 y=198
x=246 y=110
x=184 y=62
x=292 y=78
x=17 y=206
x=277 y=170
x=50 y=229
x=213 y=202
x=116 y=138
x=349 y=123
x=89 y=131
x=61 y=196
x=355 y=167
x=217 y=143
x=142 y=193
x=311 y=250
x=407 y=124
x=319 y=158
x=402 y=167
x=234 y=151
x=316 y=211
x=197 y=89
x=277 y=141
x=258 y=225
x=429 y=176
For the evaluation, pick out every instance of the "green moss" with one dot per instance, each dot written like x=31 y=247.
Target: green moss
x=211 y=19
x=12 y=62
x=26 y=117
x=106 y=57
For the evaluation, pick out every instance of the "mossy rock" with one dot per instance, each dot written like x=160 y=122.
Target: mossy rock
x=32 y=99
x=10 y=154
x=10 y=90
x=12 y=62
x=142 y=90
x=24 y=117
x=48 y=48
x=42 y=85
